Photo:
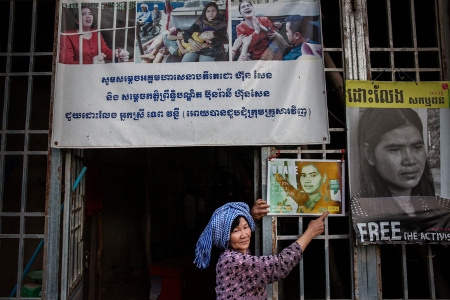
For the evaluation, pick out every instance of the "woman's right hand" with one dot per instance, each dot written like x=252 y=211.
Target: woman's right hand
x=256 y=25
x=238 y=42
x=315 y=228
x=195 y=46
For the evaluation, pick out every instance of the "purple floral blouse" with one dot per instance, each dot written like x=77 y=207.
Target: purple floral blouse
x=245 y=276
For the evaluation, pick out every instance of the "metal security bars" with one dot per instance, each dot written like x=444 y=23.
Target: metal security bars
x=381 y=45
x=25 y=79
x=73 y=220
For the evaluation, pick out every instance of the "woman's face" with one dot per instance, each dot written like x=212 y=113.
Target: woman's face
x=247 y=9
x=211 y=13
x=400 y=159
x=86 y=17
x=240 y=236
x=310 y=179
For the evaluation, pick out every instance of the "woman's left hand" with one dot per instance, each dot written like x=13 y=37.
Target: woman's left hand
x=122 y=55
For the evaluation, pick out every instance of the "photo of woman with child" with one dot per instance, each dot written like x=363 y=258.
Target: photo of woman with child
x=202 y=41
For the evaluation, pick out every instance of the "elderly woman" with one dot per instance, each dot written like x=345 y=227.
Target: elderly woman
x=210 y=20
x=69 y=48
x=240 y=275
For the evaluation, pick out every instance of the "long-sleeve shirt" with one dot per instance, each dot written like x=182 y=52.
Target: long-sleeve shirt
x=244 y=276
x=69 y=50
x=145 y=16
x=156 y=15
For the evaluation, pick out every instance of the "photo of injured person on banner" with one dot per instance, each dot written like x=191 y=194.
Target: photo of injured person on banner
x=395 y=177
x=275 y=31
x=308 y=187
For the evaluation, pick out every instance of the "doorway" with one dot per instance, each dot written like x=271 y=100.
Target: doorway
x=149 y=206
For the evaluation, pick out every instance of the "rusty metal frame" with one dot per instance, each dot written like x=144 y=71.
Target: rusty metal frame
x=367 y=259
x=271 y=237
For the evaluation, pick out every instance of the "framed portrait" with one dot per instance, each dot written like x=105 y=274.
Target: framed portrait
x=306 y=187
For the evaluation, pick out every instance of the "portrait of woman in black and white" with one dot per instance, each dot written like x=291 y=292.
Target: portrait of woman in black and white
x=395 y=177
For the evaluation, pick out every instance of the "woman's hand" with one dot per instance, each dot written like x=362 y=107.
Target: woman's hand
x=195 y=46
x=315 y=228
x=237 y=43
x=259 y=210
x=99 y=59
x=122 y=55
x=256 y=25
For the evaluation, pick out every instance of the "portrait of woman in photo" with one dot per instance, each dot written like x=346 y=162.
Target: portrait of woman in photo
x=210 y=20
x=392 y=154
x=395 y=175
x=94 y=49
x=313 y=193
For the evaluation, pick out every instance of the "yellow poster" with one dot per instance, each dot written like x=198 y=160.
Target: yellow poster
x=390 y=94
x=305 y=186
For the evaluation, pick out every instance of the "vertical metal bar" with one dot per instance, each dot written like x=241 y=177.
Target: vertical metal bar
x=114 y=33
x=327 y=260
x=275 y=290
x=404 y=274
x=414 y=35
x=70 y=205
x=65 y=226
x=127 y=12
x=23 y=203
x=391 y=39
x=267 y=221
x=431 y=273
x=256 y=189
x=352 y=257
x=300 y=264
x=6 y=104
x=52 y=230
x=80 y=34
x=99 y=32
x=441 y=7
x=82 y=201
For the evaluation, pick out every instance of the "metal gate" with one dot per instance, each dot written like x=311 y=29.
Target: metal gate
x=72 y=227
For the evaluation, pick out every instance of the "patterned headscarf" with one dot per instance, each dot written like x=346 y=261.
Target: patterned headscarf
x=217 y=232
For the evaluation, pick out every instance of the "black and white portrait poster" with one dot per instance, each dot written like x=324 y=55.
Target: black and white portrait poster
x=399 y=161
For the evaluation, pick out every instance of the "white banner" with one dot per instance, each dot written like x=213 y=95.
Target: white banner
x=254 y=102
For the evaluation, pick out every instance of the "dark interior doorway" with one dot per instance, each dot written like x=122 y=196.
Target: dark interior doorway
x=149 y=206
